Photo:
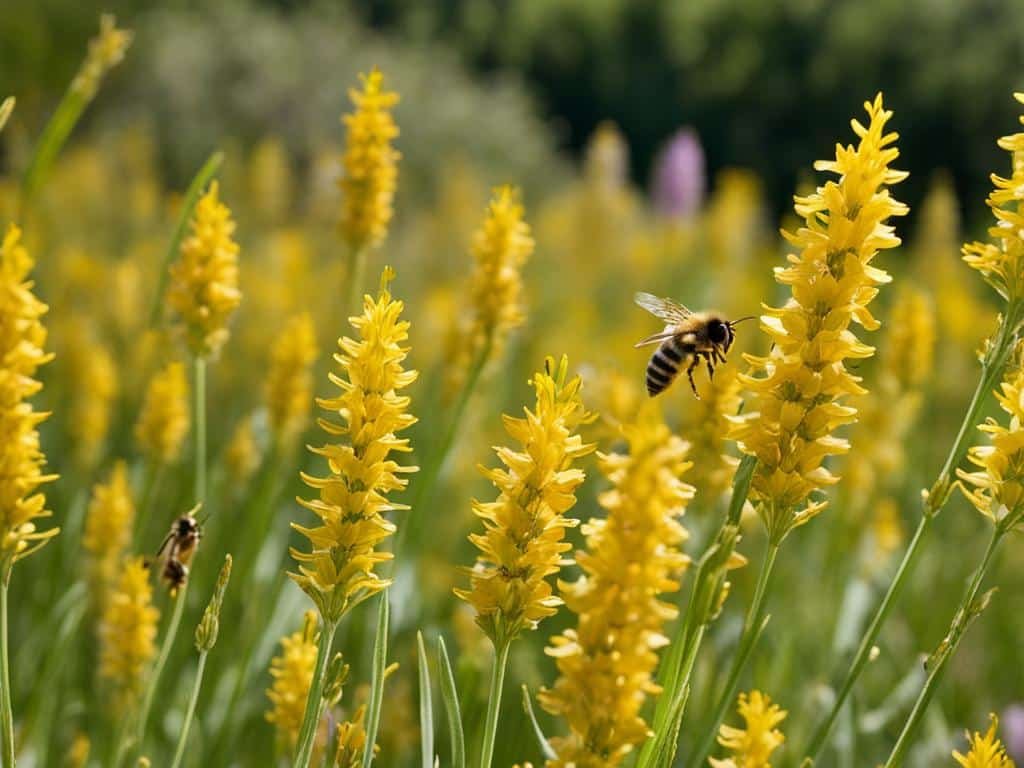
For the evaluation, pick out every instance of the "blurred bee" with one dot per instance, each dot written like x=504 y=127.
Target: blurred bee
x=177 y=549
x=689 y=337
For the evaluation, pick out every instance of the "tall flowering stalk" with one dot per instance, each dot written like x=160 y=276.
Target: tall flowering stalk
x=22 y=505
x=290 y=377
x=500 y=248
x=340 y=570
x=799 y=391
x=292 y=672
x=996 y=489
x=369 y=173
x=128 y=629
x=752 y=746
x=108 y=531
x=524 y=538
x=633 y=557
x=1001 y=264
x=984 y=751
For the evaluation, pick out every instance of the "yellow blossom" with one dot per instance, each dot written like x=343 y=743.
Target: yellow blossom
x=164 y=417
x=22 y=337
x=997 y=488
x=351 y=741
x=1001 y=262
x=633 y=556
x=128 y=632
x=797 y=390
x=92 y=368
x=985 y=751
x=706 y=427
x=290 y=378
x=753 y=745
x=338 y=572
x=270 y=182
x=524 y=538
x=242 y=454
x=292 y=671
x=78 y=752
x=106 y=51
x=204 y=281
x=500 y=248
x=108 y=528
x=370 y=164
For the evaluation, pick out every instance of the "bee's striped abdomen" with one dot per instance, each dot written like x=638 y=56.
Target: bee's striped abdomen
x=664 y=365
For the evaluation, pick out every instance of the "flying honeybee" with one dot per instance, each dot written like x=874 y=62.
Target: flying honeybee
x=689 y=337
x=177 y=549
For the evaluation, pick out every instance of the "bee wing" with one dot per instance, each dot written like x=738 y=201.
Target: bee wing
x=670 y=311
x=163 y=546
x=668 y=333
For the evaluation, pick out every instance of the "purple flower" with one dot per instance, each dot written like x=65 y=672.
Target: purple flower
x=1013 y=731
x=679 y=177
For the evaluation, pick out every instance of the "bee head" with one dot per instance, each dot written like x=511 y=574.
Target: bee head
x=719 y=332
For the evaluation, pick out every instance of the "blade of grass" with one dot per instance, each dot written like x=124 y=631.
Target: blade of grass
x=450 y=696
x=542 y=740
x=426 y=706
x=380 y=662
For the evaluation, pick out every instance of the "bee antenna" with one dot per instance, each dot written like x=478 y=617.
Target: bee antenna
x=743 y=319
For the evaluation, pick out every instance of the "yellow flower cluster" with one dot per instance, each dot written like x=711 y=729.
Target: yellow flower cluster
x=351 y=741
x=338 y=572
x=500 y=248
x=1001 y=262
x=798 y=388
x=985 y=751
x=92 y=367
x=290 y=378
x=292 y=671
x=22 y=337
x=753 y=745
x=128 y=629
x=632 y=557
x=997 y=488
x=707 y=424
x=370 y=164
x=242 y=454
x=108 y=529
x=106 y=51
x=525 y=527
x=164 y=417
x=204 y=281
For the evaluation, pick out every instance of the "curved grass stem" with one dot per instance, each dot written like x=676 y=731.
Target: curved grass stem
x=494 y=703
x=314 y=700
x=6 y=711
x=179 y=753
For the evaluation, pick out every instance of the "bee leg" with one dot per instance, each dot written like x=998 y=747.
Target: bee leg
x=689 y=374
x=708 y=357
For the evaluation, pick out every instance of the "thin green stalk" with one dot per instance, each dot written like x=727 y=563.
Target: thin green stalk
x=992 y=371
x=966 y=611
x=195 y=189
x=179 y=753
x=161 y=661
x=6 y=713
x=314 y=701
x=752 y=628
x=426 y=705
x=200 y=428
x=494 y=703
x=435 y=461
x=55 y=135
x=453 y=712
x=380 y=663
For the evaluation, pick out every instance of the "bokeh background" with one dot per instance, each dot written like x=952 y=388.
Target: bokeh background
x=658 y=145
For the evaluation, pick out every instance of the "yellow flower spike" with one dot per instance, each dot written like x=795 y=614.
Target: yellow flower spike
x=128 y=629
x=106 y=51
x=292 y=671
x=1001 y=262
x=290 y=378
x=203 y=290
x=997 y=488
x=524 y=538
x=108 y=529
x=633 y=556
x=500 y=248
x=351 y=741
x=22 y=336
x=163 y=420
x=798 y=389
x=706 y=428
x=91 y=366
x=753 y=745
x=339 y=570
x=242 y=454
x=370 y=164
x=985 y=751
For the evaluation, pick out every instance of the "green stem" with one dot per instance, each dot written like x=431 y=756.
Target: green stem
x=200 y=428
x=6 y=713
x=195 y=189
x=991 y=372
x=434 y=463
x=56 y=133
x=961 y=620
x=161 y=661
x=752 y=627
x=314 y=701
x=179 y=753
x=494 y=703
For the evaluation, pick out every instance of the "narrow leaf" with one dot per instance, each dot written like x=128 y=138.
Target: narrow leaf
x=542 y=740
x=380 y=660
x=450 y=695
x=426 y=707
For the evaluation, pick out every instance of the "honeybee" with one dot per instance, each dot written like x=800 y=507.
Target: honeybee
x=177 y=549
x=174 y=575
x=688 y=337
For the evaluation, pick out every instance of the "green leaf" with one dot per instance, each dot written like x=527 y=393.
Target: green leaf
x=542 y=740
x=450 y=695
x=380 y=661
x=426 y=707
